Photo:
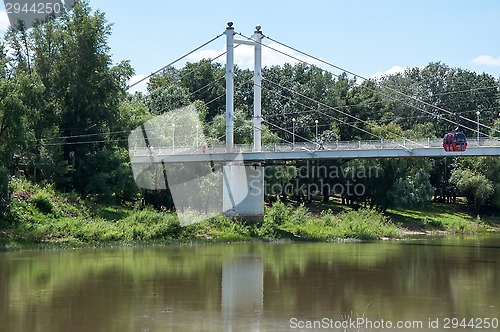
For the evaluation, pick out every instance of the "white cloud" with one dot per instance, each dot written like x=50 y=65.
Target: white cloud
x=487 y=60
x=4 y=21
x=141 y=87
x=273 y=55
x=391 y=71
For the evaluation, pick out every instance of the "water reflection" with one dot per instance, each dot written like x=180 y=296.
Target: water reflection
x=242 y=287
x=242 y=292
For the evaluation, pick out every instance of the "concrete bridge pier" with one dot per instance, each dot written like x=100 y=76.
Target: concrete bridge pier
x=243 y=190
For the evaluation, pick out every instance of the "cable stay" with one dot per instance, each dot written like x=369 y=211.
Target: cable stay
x=381 y=86
x=341 y=112
x=174 y=62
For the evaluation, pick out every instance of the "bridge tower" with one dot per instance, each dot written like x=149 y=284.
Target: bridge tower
x=240 y=179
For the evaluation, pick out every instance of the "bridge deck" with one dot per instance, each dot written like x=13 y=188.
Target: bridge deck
x=311 y=151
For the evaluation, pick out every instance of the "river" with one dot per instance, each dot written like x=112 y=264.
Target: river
x=414 y=285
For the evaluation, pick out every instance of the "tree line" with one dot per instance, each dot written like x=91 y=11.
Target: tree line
x=65 y=114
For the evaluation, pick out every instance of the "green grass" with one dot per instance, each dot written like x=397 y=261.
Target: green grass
x=362 y=224
x=442 y=217
x=41 y=217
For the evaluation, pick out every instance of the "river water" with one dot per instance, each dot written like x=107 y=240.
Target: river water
x=422 y=285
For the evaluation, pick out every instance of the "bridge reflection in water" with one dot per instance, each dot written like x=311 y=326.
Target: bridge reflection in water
x=242 y=291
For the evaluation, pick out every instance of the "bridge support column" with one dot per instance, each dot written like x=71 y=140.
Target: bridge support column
x=243 y=185
x=229 y=87
x=243 y=191
x=257 y=91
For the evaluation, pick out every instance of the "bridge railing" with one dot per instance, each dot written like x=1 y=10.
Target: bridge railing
x=309 y=146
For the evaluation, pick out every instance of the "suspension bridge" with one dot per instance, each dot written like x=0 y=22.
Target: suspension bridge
x=243 y=164
x=311 y=151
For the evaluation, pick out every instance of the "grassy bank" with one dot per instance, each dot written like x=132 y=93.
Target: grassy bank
x=41 y=217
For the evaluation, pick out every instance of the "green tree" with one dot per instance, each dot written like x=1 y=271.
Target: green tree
x=82 y=92
x=473 y=185
x=166 y=98
x=204 y=80
x=490 y=168
x=412 y=191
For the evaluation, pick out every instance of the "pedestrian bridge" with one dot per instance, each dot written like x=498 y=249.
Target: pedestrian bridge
x=272 y=153
x=185 y=165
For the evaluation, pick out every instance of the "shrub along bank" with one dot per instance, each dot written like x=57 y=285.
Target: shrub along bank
x=40 y=217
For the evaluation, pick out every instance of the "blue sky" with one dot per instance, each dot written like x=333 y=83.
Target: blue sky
x=366 y=37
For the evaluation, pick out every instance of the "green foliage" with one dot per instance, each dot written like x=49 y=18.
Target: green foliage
x=43 y=202
x=204 y=81
x=39 y=214
x=363 y=224
x=133 y=112
x=490 y=167
x=276 y=178
x=421 y=131
x=390 y=131
x=412 y=190
x=19 y=107
x=42 y=215
x=4 y=188
x=243 y=133
x=65 y=93
x=281 y=213
x=475 y=186
x=167 y=98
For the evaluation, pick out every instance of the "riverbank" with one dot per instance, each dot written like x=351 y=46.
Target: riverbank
x=40 y=217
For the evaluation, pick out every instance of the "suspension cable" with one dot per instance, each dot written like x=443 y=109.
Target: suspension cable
x=380 y=85
x=173 y=62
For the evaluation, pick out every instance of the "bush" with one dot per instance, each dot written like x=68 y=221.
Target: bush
x=363 y=224
x=43 y=202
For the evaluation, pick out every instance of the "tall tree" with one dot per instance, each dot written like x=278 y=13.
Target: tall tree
x=82 y=91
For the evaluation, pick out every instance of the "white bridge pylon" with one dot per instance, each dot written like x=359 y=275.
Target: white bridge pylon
x=239 y=178
x=256 y=42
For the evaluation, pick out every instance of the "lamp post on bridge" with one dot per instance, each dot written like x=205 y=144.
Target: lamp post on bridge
x=317 y=142
x=173 y=138
x=293 y=133
x=197 y=137
x=478 y=113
